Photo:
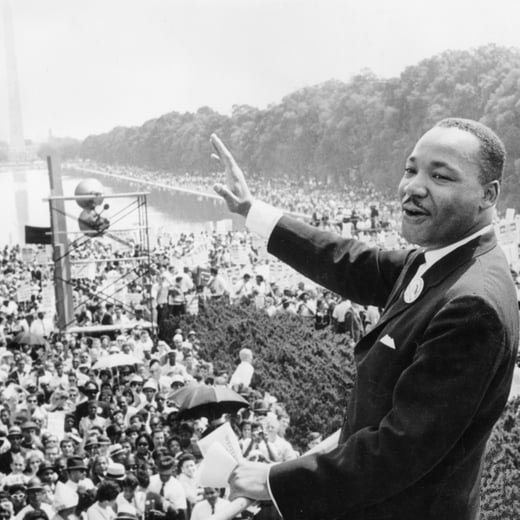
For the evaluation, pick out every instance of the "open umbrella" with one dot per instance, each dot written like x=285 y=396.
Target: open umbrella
x=117 y=360
x=29 y=338
x=198 y=400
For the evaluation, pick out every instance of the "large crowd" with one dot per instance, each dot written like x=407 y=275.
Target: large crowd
x=323 y=204
x=82 y=436
x=85 y=436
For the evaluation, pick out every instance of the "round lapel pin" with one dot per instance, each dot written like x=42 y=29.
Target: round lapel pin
x=413 y=290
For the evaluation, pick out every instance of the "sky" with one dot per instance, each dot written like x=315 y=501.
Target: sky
x=86 y=66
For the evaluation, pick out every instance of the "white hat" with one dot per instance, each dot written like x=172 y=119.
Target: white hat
x=116 y=471
x=150 y=384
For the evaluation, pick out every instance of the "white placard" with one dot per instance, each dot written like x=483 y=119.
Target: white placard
x=27 y=254
x=24 y=292
x=56 y=424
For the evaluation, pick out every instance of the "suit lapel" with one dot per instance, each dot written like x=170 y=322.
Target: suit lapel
x=436 y=274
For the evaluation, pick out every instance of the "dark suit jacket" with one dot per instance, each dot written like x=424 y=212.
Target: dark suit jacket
x=420 y=414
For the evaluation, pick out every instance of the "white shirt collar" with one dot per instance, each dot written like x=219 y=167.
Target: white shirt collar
x=434 y=255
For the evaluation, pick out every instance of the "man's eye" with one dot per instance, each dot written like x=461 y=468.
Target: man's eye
x=409 y=171
x=441 y=177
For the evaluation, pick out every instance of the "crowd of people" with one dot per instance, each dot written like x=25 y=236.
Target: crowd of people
x=325 y=205
x=82 y=438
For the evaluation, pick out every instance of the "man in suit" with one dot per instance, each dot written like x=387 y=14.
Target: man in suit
x=434 y=373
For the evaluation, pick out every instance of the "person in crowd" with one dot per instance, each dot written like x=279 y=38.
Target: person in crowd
x=169 y=488
x=243 y=374
x=17 y=494
x=126 y=501
x=98 y=469
x=210 y=505
x=187 y=468
x=103 y=507
x=15 y=440
x=217 y=286
x=34 y=496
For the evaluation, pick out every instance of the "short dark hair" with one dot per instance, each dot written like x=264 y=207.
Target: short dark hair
x=36 y=514
x=492 y=154
x=130 y=481
x=185 y=457
x=107 y=490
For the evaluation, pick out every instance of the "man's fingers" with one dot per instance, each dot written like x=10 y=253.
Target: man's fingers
x=226 y=194
x=220 y=147
x=225 y=156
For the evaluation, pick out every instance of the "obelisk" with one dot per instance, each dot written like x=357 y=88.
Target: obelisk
x=16 y=139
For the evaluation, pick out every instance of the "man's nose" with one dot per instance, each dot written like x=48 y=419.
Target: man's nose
x=416 y=185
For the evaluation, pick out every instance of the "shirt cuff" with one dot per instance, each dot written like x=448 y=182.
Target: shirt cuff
x=271 y=493
x=262 y=218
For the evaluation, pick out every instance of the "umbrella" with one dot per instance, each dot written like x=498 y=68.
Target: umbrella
x=29 y=338
x=117 y=360
x=199 y=400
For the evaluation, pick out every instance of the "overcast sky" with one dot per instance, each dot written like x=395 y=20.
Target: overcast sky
x=86 y=66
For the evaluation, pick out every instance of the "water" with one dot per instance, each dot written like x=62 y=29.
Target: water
x=170 y=212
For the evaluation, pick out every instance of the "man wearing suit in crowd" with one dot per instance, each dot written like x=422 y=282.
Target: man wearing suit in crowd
x=434 y=373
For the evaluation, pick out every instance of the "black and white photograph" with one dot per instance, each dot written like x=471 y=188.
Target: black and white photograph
x=259 y=260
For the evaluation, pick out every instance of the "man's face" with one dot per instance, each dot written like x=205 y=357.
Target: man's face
x=29 y=434
x=67 y=448
x=16 y=441
x=32 y=402
x=158 y=439
x=47 y=476
x=188 y=468
x=92 y=410
x=210 y=494
x=34 y=498
x=77 y=474
x=149 y=393
x=440 y=192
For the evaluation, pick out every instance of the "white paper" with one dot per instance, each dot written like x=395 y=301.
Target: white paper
x=225 y=436
x=216 y=467
x=56 y=423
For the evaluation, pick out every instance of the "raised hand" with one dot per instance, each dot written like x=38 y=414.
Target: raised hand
x=235 y=192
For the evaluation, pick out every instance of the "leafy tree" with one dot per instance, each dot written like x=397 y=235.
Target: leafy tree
x=338 y=132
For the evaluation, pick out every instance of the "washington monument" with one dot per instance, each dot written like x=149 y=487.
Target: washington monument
x=16 y=138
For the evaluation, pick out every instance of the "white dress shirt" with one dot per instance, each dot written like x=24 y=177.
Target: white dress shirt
x=173 y=494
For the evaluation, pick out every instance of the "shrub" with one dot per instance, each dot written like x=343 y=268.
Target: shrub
x=312 y=372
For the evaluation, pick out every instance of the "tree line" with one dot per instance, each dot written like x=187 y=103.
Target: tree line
x=337 y=132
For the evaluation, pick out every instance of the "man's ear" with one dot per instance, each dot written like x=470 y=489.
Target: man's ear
x=491 y=192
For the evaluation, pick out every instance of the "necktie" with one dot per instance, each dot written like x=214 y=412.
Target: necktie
x=415 y=285
x=161 y=492
x=407 y=275
x=212 y=509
